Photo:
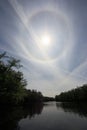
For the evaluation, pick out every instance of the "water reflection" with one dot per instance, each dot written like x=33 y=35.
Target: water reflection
x=58 y=116
x=50 y=116
x=10 y=116
x=75 y=108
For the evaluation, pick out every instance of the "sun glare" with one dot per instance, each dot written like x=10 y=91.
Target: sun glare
x=45 y=40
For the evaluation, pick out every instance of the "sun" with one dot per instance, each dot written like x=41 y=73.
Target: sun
x=45 y=40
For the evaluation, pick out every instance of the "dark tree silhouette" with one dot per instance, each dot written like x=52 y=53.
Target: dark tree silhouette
x=77 y=95
x=12 y=82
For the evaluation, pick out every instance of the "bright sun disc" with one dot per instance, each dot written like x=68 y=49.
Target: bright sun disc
x=45 y=40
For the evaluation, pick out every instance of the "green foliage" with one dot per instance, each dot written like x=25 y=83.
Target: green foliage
x=12 y=82
x=78 y=94
x=47 y=99
x=33 y=96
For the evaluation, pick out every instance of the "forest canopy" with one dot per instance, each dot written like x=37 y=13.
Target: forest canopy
x=12 y=83
x=78 y=94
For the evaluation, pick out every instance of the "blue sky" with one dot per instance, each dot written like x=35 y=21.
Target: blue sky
x=63 y=64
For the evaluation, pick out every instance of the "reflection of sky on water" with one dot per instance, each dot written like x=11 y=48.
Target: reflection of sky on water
x=53 y=116
x=60 y=118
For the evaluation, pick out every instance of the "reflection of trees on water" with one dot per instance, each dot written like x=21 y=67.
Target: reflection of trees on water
x=76 y=108
x=34 y=109
x=9 y=117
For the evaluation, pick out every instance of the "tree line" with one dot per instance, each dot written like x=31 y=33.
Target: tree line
x=78 y=94
x=13 y=85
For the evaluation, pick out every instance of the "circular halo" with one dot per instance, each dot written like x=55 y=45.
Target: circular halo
x=68 y=42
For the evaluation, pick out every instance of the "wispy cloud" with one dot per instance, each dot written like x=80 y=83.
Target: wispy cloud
x=68 y=68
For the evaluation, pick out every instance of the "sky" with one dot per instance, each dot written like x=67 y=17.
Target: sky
x=50 y=39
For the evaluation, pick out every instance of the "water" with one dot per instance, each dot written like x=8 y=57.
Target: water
x=47 y=116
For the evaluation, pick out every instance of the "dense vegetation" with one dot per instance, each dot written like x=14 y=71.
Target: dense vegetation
x=47 y=99
x=32 y=96
x=13 y=86
x=12 y=83
x=77 y=95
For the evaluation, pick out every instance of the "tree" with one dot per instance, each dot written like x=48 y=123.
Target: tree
x=32 y=97
x=12 y=82
x=78 y=94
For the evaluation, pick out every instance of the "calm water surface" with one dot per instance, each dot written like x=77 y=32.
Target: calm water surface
x=50 y=116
